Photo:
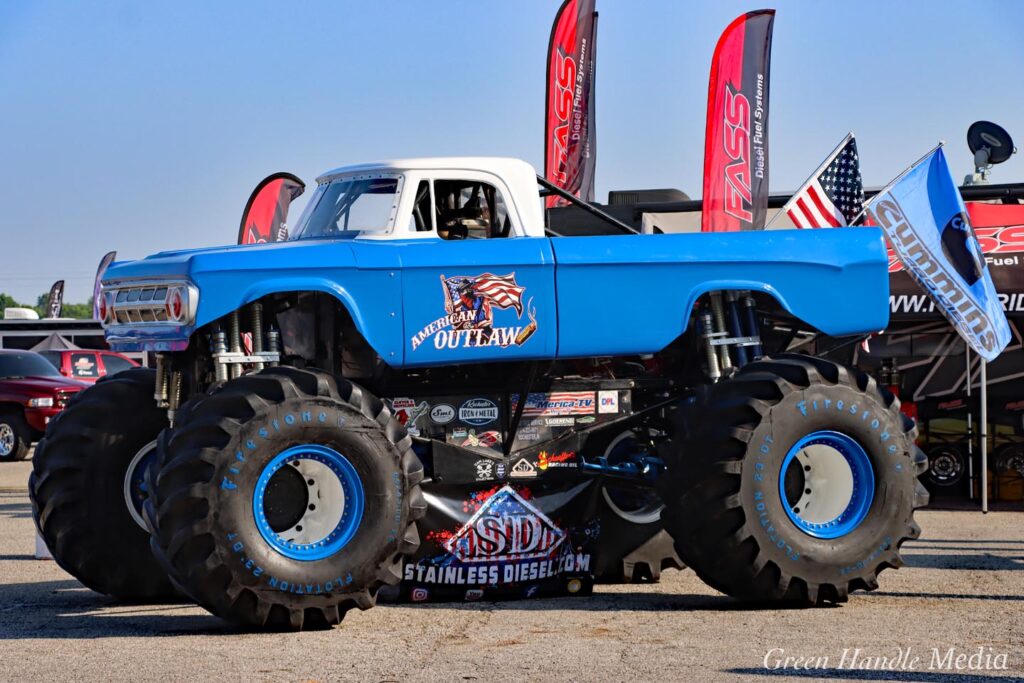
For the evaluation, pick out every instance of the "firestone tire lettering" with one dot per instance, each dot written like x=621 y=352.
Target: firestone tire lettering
x=203 y=481
x=725 y=510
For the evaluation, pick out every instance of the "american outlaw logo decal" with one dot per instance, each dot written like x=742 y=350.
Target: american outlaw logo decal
x=470 y=302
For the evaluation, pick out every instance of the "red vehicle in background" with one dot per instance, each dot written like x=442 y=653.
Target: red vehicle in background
x=31 y=393
x=87 y=365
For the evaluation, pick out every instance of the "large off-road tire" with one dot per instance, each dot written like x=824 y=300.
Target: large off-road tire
x=633 y=544
x=78 y=487
x=754 y=522
x=285 y=499
x=15 y=435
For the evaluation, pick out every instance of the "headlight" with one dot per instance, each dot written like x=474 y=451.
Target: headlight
x=45 y=402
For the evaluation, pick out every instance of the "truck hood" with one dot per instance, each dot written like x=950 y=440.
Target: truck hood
x=192 y=263
x=42 y=385
x=228 y=277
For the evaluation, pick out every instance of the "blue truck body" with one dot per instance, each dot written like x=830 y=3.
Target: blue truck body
x=547 y=297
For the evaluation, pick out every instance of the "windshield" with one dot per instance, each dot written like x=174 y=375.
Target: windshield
x=346 y=206
x=26 y=364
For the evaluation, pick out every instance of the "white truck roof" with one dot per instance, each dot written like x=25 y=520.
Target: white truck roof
x=519 y=177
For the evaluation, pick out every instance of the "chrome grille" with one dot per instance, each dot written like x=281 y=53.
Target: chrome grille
x=146 y=303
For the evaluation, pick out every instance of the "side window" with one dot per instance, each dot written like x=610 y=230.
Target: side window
x=116 y=364
x=422 y=219
x=53 y=357
x=84 y=365
x=470 y=209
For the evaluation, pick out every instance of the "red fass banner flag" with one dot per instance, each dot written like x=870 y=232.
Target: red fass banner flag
x=570 y=135
x=736 y=138
x=266 y=212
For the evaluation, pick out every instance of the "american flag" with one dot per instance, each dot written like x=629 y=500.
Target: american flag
x=500 y=290
x=834 y=194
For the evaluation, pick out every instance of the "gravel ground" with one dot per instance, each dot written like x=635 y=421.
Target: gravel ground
x=962 y=589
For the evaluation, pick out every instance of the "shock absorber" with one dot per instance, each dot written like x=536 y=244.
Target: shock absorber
x=273 y=343
x=256 y=318
x=719 y=316
x=160 y=390
x=752 y=330
x=173 y=395
x=708 y=330
x=218 y=345
x=735 y=328
x=234 y=343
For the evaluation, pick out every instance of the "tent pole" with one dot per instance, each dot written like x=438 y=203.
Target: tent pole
x=970 y=428
x=984 y=437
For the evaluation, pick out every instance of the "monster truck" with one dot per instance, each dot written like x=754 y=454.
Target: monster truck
x=423 y=345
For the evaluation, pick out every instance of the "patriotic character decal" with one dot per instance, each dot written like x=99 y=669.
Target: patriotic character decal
x=470 y=302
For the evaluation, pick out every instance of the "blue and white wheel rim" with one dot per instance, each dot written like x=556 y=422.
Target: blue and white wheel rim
x=838 y=484
x=318 y=521
x=134 y=487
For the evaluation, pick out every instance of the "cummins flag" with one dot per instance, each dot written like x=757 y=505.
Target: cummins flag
x=266 y=212
x=924 y=217
x=570 y=153
x=736 y=137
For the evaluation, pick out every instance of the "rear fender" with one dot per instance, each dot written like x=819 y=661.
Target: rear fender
x=630 y=294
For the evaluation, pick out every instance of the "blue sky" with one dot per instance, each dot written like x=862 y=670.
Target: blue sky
x=144 y=126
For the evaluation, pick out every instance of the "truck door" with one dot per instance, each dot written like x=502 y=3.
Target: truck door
x=477 y=289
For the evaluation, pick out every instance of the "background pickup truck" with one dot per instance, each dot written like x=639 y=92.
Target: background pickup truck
x=31 y=392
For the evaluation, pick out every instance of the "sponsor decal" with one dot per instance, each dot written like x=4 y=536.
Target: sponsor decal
x=419 y=594
x=442 y=414
x=608 y=401
x=523 y=469
x=1015 y=405
x=484 y=469
x=478 y=412
x=563 y=459
x=952 y=405
x=530 y=433
x=560 y=421
x=506 y=527
x=557 y=403
x=407 y=411
x=504 y=537
x=470 y=303
x=83 y=365
x=586 y=420
x=459 y=433
x=922 y=303
x=499 y=471
x=531 y=591
x=474 y=594
x=574 y=585
x=488 y=439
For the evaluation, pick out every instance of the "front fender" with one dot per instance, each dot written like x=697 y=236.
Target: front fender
x=231 y=277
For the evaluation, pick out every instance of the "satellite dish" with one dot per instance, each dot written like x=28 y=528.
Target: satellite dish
x=990 y=143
